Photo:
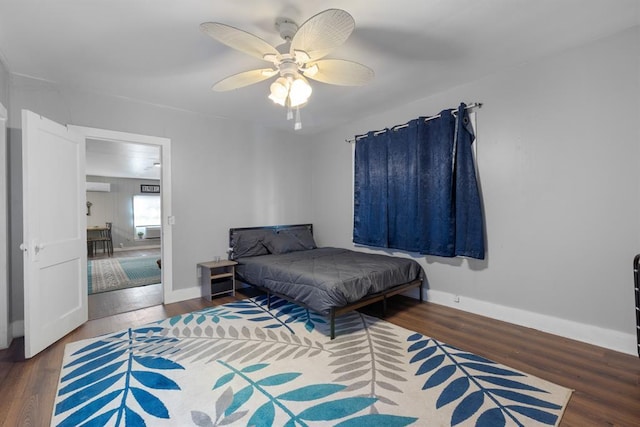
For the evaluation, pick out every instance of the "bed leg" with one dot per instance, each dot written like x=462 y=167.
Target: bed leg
x=332 y=319
x=421 y=296
x=268 y=300
x=384 y=306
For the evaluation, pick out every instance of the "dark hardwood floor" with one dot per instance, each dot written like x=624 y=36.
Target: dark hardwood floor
x=123 y=300
x=606 y=384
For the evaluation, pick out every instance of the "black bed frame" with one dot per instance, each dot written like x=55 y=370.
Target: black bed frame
x=335 y=311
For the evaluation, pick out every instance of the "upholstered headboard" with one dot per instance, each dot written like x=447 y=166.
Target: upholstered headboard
x=256 y=241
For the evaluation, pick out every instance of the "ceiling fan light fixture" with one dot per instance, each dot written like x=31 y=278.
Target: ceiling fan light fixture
x=299 y=92
x=279 y=91
x=290 y=91
x=300 y=56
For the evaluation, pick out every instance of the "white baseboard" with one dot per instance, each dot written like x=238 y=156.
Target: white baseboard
x=182 y=295
x=614 y=340
x=191 y=293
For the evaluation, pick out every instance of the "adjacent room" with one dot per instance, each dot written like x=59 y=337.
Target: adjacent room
x=123 y=227
x=293 y=213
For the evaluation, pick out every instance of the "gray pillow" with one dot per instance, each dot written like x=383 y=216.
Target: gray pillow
x=250 y=243
x=283 y=243
x=302 y=234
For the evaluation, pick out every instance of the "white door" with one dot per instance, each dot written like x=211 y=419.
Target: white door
x=5 y=335
x=54 y=239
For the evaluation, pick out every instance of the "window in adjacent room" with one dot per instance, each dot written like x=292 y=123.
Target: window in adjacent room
x=146 y=212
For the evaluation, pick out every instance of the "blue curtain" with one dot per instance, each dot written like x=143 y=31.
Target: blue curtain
x=370 y=203
x=416 y=188
x=469 y=221
x=402 y=188
x=435 y=154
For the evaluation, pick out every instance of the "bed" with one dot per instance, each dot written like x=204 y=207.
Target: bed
x=284 y=261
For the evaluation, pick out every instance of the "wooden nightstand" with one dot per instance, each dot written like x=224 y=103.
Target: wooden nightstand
x=217 y=278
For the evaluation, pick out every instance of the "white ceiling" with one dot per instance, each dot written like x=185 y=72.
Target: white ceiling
x=123 y=159
x=153 y=51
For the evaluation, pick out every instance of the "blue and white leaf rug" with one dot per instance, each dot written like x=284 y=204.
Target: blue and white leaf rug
x=241 y=364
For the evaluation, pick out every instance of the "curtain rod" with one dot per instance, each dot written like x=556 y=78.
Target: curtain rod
x=396 y=127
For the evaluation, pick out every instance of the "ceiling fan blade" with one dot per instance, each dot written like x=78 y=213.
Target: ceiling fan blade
x=339 y=72
x=243 y=79
x=238 y=39
x=323 y=32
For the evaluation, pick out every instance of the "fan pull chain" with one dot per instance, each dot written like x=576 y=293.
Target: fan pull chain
x=289 y=113
x=298 y=123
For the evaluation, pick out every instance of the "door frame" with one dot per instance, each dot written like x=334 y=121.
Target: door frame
x=6 y=334
x=166 y=238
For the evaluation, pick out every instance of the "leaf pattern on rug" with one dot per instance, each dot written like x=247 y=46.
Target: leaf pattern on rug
x=368 y=356
x=281 y=314
x=125 y=361
x=244 y=344
x=203 y=419
x=219 y=366
x=478 y=383
x=215 y=314
x=228 y=405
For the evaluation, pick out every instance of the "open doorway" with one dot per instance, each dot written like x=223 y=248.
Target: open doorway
x=123 y=227
x=121 y=168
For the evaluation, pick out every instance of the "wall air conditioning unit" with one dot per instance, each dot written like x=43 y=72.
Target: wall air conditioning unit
x=152 y=232
x=99 y=186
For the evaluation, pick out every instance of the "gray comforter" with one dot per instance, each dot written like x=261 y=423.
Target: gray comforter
x=327 y=277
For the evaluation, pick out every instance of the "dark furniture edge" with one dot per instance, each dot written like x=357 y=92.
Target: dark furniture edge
x=274 y=228
x=269 y=227
x=338 y=311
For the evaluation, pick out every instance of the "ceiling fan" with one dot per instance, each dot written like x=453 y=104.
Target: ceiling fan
x=298 y=58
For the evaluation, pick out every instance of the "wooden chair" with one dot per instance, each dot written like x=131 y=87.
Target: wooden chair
x=92 y=241
x=105 y=240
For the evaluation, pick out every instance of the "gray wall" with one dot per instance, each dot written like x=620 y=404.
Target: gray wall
x=558 y=149
x=5 y=261
x=5 y=80
x=225 y=174
x=116 y=206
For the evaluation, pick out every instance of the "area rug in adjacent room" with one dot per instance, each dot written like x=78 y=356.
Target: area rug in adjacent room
x=241 y=364
x=118 y=273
